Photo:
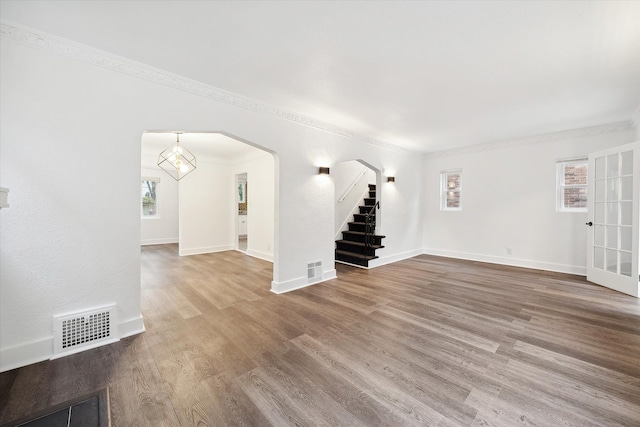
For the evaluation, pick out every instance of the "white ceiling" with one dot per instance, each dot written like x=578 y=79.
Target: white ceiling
x=426 y=76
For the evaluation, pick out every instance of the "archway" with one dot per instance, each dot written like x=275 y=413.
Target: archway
x=357 y=215
x=200 y=212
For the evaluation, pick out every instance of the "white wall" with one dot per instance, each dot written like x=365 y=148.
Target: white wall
x=71 y=239
x=162 y=228
x=399 y=218
x=70 y=115
x=509 y=201
x=206 y=209
x=260 y=213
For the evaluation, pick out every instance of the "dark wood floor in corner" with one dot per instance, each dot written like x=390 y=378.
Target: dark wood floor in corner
x=426 y=341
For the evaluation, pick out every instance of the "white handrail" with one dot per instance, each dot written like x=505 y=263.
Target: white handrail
x=354 y=209
x=364 y=171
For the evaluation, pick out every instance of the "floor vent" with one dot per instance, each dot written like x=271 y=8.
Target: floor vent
x=80 y=331
x=314 y=271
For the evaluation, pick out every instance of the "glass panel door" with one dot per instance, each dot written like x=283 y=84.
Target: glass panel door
x=613 y=212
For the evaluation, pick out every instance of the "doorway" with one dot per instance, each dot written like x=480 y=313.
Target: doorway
x=357 y=213
x=242 y=198
x=203 y=212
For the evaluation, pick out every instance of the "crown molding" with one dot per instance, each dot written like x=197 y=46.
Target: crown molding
x=67 y=48
x=537 y=139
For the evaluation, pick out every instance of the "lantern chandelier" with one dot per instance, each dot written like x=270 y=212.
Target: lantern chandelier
x=176 y=160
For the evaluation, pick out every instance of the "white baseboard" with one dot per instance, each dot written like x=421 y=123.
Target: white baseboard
x=26 y=354
x=299 y=283
x=352 y=265
x=383 y=260
x=131 y=327
x=262 y=255
x=41 y=350
x=163 y=241
x=205 y=250
x=514 y=262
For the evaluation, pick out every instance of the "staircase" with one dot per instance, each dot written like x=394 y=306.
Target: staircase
x=358 y=245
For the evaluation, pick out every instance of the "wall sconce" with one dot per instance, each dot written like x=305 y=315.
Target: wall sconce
x=323 y=171
x=391 y=179
x=4 y=192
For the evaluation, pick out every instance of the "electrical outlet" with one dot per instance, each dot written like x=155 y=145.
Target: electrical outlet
x=509 y=252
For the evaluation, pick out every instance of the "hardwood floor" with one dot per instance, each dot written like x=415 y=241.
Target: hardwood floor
x=426 y=341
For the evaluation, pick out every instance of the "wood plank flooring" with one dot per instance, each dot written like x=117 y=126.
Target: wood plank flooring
x=427 y=341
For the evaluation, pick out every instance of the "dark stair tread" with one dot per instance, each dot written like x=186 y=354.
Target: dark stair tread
x=352 y=243
x=364 y=220
x=360 y=226
x=356 y=216
x=355 y=255
x=362 y=233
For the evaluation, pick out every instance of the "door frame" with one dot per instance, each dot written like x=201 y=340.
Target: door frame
x=237 y=213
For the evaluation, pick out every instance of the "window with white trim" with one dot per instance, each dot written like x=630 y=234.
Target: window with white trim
x=450 y=190
x=572 y=187
x=149 y=197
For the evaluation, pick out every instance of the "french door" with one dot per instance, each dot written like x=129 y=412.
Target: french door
x=612 y=242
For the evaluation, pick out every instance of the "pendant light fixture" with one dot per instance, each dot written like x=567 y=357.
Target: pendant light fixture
x=176 y=160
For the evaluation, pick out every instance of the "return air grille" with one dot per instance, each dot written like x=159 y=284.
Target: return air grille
x=314 y=271
x=84 y=329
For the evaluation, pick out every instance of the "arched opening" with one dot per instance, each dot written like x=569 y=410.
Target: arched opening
x=358 y=216
x=202 y=212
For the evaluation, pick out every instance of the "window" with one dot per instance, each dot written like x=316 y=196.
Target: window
x=149 y=197
x=572 y=185
x=450 y=190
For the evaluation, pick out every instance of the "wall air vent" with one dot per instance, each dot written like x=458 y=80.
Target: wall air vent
x=314 y=271
x=83 y=330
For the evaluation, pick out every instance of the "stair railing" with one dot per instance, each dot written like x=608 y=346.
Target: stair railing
x=367 y=225
x=346 y=193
